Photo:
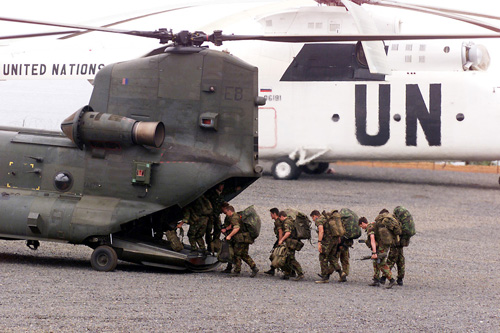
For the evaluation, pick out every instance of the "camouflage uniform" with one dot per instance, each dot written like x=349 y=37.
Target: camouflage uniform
x=240 y=249
x=214 y=223
x=396 y=257
x=329 y=257
x=291 y=262
x=379 y=265
x=278 y=225
x=345 y=244
x=196 y=215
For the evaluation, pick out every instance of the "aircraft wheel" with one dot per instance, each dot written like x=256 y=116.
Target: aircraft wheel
x=104 y=259
x=315 y=168
x=285 y=168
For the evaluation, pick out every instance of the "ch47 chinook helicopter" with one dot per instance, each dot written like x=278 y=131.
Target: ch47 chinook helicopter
x=157 y=133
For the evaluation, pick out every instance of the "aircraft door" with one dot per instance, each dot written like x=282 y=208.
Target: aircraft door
x=268 y=128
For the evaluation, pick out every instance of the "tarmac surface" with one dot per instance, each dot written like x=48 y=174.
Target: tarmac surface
x=452 y=279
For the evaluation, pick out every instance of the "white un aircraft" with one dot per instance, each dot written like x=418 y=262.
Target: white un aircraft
x=423 y=99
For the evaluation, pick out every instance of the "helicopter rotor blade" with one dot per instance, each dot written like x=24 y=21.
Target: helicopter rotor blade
x=436 y=11
x=40 y=34
x=79 y=33
x=345 y=38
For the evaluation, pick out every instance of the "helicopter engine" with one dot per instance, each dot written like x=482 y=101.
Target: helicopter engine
x=87 y=126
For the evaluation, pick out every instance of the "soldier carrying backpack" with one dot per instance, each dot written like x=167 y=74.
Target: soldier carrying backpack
x=396 y=255
x=292 y=244
x=330 y=231
x=380 y=236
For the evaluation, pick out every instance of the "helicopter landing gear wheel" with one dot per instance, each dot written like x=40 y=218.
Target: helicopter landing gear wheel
x=285 y=168
x=315 y=168
x=104 y=259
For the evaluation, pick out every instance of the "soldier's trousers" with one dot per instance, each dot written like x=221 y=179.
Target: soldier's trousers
x=380 y=265
x=292 y=264
x=328 y=259
x=241 y=253
x=197 y=230
x=344 y=259
x=396 y=257
x=213 y=230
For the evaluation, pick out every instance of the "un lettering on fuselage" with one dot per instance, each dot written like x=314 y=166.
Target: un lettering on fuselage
x=416 y=113
x=14 y=70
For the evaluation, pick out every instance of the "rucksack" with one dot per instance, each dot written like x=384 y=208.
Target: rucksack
x=279 y=256
x=335 y=223
x=302 y=223
x=407 y=224
x=350 y=221
x=251 y=221
x=387 y=229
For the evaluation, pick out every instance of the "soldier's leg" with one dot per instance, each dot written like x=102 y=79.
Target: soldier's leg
x=401 y=264
x=344 y=259
x=237 y=257
x=208 y=231
x=217 y=227
x=192 y=236
x=392 y=256
x=295 y=264
x=246 y=257
x=334 y=259
x=200 y=232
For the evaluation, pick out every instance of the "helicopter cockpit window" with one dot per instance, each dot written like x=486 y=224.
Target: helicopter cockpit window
x=63 y=181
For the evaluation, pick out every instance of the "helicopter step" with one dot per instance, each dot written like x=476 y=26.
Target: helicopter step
x=148 y=253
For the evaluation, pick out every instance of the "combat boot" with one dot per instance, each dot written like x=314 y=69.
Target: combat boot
x=293 y=274
x=324 y=279
x=375 y=283
x=400 y=282
x=382 y=280
x=285 y=277
x=255 y=270
x=392 y=282
x=342 y=277
x=234 y=274
x=299 y=277
x=271 y=271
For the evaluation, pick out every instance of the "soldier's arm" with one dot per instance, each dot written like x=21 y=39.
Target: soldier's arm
x=285 y=236
x=280 y=233
x=321 y=232
x=234 y=232
x=374 y=246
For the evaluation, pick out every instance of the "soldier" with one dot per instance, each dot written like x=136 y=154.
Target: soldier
x=378 y=253
x=328 y=249
x=289 y=238
x=225 y=228
x=278 y=231
x=240 y=244
x=396 y=255
x=196 y=215
x=214 y=225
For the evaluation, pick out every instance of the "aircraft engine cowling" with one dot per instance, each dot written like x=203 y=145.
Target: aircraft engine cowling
x=86 y=126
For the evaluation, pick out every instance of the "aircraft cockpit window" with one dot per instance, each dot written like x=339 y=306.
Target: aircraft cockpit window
x=63 y=181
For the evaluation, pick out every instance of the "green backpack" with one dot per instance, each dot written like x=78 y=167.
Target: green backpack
x=251 y=221
x=335 y=223
x=387 y=229
x=302 y=223
x=350 y=221
x=407 y=224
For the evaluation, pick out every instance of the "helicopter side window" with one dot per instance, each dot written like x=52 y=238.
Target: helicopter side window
x=63 y=181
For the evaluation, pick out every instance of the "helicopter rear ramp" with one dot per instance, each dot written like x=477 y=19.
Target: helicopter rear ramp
x=159 y=255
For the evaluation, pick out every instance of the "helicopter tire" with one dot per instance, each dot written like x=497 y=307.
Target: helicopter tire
x=104 y=259
x=285 y=168
x=315 y=168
